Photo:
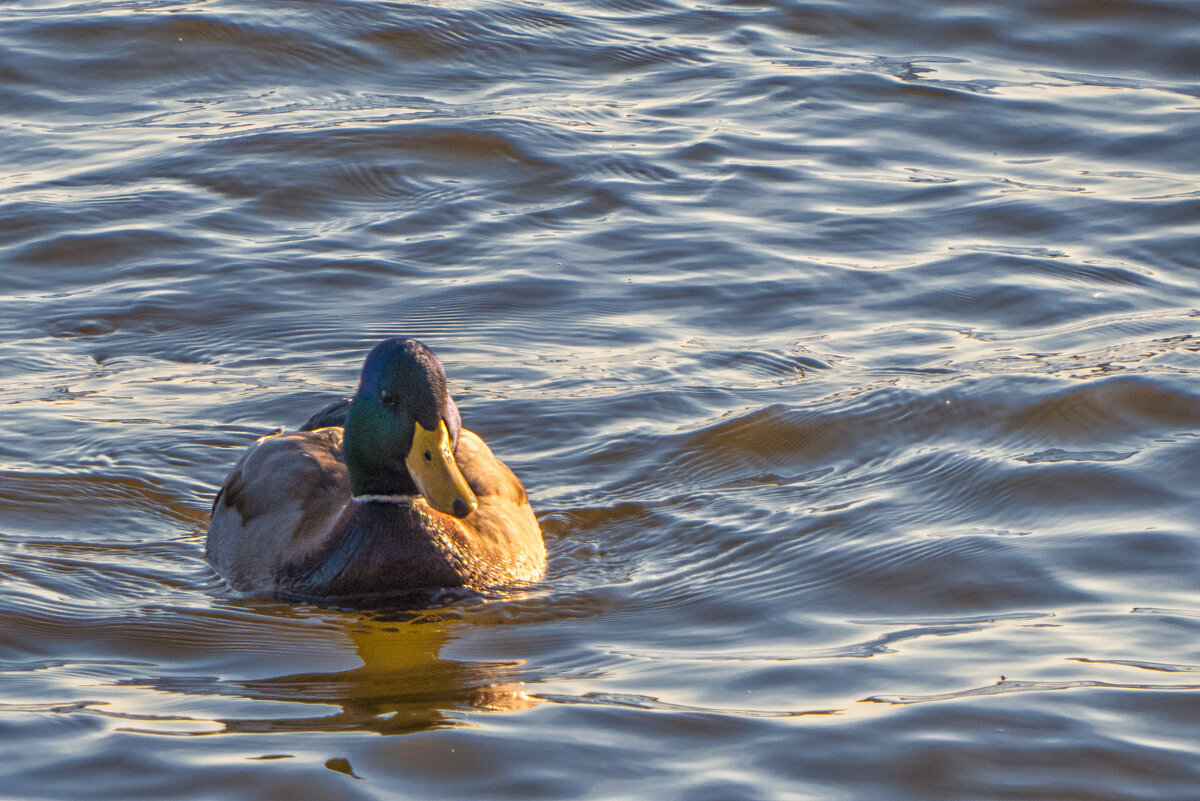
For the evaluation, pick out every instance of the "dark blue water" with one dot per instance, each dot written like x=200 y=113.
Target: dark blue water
x=850 y=354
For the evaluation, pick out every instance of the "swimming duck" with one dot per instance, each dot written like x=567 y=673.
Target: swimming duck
x=382 y=494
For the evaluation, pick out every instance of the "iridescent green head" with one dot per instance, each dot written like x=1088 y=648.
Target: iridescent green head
x=402 y=428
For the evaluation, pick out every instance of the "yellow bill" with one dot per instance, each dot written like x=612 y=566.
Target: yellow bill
x=431 y=464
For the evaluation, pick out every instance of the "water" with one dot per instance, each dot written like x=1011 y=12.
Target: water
x=850 y=354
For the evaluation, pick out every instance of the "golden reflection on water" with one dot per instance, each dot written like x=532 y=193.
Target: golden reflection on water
x=403 y=685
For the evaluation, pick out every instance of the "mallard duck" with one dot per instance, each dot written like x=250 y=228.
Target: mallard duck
x=382 y=494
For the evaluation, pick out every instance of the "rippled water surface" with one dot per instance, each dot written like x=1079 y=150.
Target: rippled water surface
x=850 y=353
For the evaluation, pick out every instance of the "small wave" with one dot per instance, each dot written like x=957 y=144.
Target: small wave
x=1007 y=686
x=1108 y=410
x=654 y=704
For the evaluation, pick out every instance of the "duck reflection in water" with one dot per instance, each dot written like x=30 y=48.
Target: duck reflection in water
x=402 y=687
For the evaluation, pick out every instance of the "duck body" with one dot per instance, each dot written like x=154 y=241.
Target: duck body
x=380 y=496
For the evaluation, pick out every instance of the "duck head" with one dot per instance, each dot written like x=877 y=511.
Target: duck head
x=402 y=429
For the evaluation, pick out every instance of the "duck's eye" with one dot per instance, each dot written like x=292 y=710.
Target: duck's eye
x=385 y=397
x=428 y=456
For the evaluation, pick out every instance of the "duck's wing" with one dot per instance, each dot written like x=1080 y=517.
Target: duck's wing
x=332 y=415
x=279 y=502
x=503 y=529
